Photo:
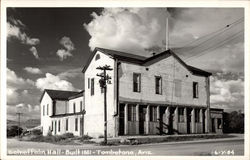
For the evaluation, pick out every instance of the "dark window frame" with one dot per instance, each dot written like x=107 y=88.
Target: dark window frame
x=92 y=87
x=195 y=90
x=158 y=85
x=197 y=115
x=74 y=107
x=76 y=124
x=136 y=85
x=47 y=109
x=80 y=105
x=67 y=124
x=59 y=125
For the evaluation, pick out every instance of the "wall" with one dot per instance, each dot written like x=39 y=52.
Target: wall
x=163 y=68
x=77 y=102
x=61 y=107
x=71 y=125
x=45 y=119
x=94 y=105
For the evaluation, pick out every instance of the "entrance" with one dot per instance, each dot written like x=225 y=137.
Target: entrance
x=189 y=116
x=121 y=119
x=213 y=126
x=171 y=120
x=142 y=119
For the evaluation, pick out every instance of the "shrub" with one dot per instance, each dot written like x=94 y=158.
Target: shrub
x=67 y=135
x=13 y=131
x=36 y=132
x=101 y=136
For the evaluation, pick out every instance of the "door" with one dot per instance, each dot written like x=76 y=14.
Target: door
x=121 y=120
x=213 y=125
x=142 y=119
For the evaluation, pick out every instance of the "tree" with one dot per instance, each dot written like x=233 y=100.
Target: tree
x=233 y=122
x=12 y=131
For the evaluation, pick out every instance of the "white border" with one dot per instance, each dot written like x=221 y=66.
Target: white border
x=125 y=3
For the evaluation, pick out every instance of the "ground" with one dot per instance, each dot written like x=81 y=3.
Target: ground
x=225 y=146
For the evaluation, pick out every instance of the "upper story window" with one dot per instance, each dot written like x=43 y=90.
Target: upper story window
x=158 y=85
x=92 y=91
x=88 y=83
x=80 y=105
x=137 y=82
x=74 y=107
x=47 y=109
x=177 y=87
x=195 y=90
x=44 y=110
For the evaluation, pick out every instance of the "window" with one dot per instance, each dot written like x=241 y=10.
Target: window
x=181 y=114
x=88 y=83
x=51 y=125
x=55 y=127
x=80 y=105
x=59 y=125
x=219 y=123
x=153 y=113
x=43 y=109
x=195 y=90
x=92 y=86
x=67 y=124
x=131 y=113
x=74 y=107
x=158 y=85
x=76 y=124
x=177 y=87
x=197 y=115
x=136 y=82
x=47 y=109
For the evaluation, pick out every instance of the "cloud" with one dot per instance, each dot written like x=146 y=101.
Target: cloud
x=33 y=70
x=71 y=73
x=17 y=88
x=14 y=30
x=227 y=94
x=128 y=29
x=51 y=81
x=34 y=52
x=68 y=48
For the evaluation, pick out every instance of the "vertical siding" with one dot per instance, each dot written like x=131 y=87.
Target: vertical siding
x=45 y=119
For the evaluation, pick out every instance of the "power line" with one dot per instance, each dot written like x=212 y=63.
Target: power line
x=214 y=47
x=225 y=28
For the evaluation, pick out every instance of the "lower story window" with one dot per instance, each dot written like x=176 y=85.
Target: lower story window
x=67 y=124
x=59 y=125
x=76 y=124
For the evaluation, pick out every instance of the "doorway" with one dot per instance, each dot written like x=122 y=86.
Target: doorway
x=189 y=116
x=142 y=119
x=213 y=126
x=121 y=119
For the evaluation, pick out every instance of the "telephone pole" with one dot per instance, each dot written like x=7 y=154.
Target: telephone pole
x=19 y=123
x=105 y=78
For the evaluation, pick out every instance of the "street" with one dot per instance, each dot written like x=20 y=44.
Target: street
x=192 y=148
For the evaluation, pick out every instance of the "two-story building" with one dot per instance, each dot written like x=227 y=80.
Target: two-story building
x=62 y=112
x=147 y=95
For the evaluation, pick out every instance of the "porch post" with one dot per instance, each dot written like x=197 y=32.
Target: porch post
x=206 y=121
x=167 y=112
x=126 y=119
x=193 y=120
x=175 y=125
x=147 y=119
x=137 y=119
x=158 y=119
x=201 y=120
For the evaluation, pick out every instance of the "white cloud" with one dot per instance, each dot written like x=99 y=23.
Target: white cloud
x=14 y=31
x=53 y=82
x=34 y=52
x=17 y=88
x=63 y=54
x=128 y=29
x=227 y=93
x=68 y=48
x=72 y=73
x=33 y=70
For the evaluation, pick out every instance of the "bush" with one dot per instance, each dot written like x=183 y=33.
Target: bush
x=101 y=136
x=13 y=131
x=36 y=132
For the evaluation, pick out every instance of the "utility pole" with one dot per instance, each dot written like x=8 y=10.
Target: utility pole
x=105 y=78
x=19 y=122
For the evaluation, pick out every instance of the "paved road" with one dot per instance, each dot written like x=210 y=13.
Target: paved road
x=209 y=147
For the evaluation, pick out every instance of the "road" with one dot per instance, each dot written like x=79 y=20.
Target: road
x=206 y=147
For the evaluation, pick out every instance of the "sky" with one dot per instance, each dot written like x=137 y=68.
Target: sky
x=48 y=47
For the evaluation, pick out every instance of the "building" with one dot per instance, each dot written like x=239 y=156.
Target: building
x=160 y=94
x=147 y=95
x=62 y=112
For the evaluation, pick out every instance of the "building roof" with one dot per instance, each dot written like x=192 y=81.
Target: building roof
x=146 y=61
x=60 y=94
